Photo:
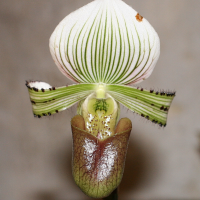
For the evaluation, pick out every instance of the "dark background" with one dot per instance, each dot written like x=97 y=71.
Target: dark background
x=35 y=154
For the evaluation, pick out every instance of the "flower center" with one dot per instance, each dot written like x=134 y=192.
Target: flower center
x=100 y=114
x=100 y=92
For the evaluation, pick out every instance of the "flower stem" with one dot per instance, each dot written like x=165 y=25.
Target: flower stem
x=113 y=195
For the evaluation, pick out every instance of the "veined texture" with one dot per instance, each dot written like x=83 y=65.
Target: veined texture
x=105 y=41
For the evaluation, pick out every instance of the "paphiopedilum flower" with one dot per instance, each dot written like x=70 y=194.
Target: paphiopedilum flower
x=104 y=47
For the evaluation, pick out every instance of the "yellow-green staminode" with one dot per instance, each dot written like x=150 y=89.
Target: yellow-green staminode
x=100 y=115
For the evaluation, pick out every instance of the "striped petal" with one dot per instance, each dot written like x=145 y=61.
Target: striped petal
x=105 y=41
x=47 y=100
x=152 y=105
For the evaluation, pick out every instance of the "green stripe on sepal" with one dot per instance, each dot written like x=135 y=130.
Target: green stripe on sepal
x=49 y=101
x=152 y=105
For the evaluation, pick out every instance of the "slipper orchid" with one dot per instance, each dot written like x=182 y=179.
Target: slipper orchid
x=104 y=47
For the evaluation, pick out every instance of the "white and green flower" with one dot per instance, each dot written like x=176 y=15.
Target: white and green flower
x=104 y=47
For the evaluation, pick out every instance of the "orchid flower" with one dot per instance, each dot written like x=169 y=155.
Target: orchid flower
x=104 y=47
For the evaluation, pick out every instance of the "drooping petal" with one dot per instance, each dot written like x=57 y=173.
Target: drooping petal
x=150 y=104
x=47 y=100
x=105 y=41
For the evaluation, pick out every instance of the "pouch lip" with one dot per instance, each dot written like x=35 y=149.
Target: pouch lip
x=105 y=138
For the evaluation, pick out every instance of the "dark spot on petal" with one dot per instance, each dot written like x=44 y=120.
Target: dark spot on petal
x=157 y=93
x=165 y=125
x=56 y=111
x=142 y=115
x=28 y=85
x=138 y=17
x=166 y=109
x=53 y=88
x=171 y=94
x=33 y=102
x=162 y=108
x=39 y=116
x=162 y=93
x=151 y=91
x=147 y=117
x=160 y=124
x=43 y=90
x=141 y=89
x=152 y=104
x=44 y=114
x=49 y=113
x=50 y=89
x=35 y=89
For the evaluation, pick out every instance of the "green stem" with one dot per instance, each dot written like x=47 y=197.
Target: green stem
x=112 y=196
